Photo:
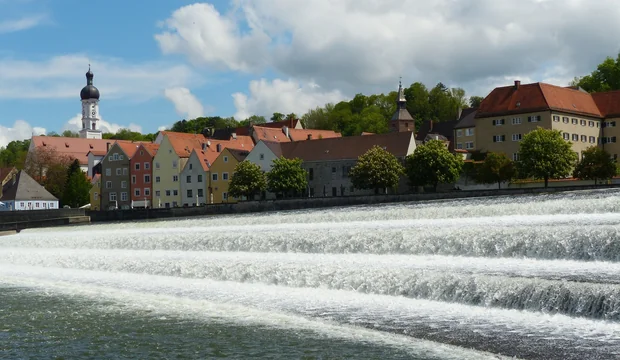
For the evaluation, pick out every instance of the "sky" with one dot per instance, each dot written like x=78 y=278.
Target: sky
x=164 y=61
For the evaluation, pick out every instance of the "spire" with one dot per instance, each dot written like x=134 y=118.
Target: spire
x=89 y=76
x=401 y=101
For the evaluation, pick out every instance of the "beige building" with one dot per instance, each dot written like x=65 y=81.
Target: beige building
x=508 y=113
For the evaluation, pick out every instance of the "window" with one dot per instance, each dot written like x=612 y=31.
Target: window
x=566 y=136
x=200 y=193
x=575 y=137
x=516 y=121
x=225 y=196
x=191 y=166
x=188 y=179
x=112 y=196
x=175 y=192
x=597 y=124
x=174 y=164
x=123 y=184
x=535 y=118
x=225 y=159
x=167 y=192
x=136 y=192
x=156 y=165
x=141 y=152
x=459 y=133
x=584 y=138
x=214 y=177
x=110 y=158
x=147 y=179
x=157 y=179
x=123 y=196
x=582 y=122
x=261 y=156
x=108 y=184
x=175 y=204
x=459 y=145
x=499 y=122
x=120 y=157
x=118 y=171
x=158 y=193
x=225 y=176
x=147 y=166
x=175 y=178
x=189 y=193
x=199 y=178
x=611 y=139
x=469 y=145
x=556 y=118
x=609 y=124
x=133 y=179
x=565 y=119
x=108 y=172
x=310 y=174
x=499 y=138
x=515 y=157
x=115 y=156
x=333 y=169
x=96 y=196
x=574 y=121
x=591 y=123
x=469 y=132
x=147 y=192
x=516 y=137
x=592 y=140
x=137 y=166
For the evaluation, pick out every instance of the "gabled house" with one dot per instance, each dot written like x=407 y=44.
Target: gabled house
x=194 y=178
x=95 y=193
x=465 y=131
x=141 y=171
x=221 y=172
x=263 y=155
x=21 y=192
x=328 y=161
x=115 y=176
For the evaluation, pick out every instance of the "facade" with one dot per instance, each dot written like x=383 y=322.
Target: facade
x=329 y=161
x=141 y=175
x=402 y=121
x=95 y=193
x=264 y=153
x=21 y=192
x=90 y=109
x=465 y=131
x=194 y=179
x=115 y=178
x=609 y=106
x=221 y=172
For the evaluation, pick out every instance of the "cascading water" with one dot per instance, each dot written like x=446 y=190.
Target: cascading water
x=532 y=277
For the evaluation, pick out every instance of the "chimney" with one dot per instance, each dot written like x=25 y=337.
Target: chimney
x=108 y=145
x=517 y=84
x=219 y=147
x=430 y=127
x=459 y=113
x=309 y=136
x=285 y=131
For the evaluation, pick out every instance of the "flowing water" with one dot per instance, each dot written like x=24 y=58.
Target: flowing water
x=528 y=277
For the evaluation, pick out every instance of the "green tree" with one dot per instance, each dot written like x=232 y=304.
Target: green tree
x=432 y=164
x=606 y=77
x=287 y=177
x=69 y=133
x=254 y=119
x=247 y=180
x=376 y=169
x=14 y=154
x=495 y=169
x=545 y=155
x=76 y=191
x=474 y=101
x=277 y=117
x=596 y=164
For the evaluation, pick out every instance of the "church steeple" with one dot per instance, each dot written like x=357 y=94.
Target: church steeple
x=401 y=120
x=90 y=109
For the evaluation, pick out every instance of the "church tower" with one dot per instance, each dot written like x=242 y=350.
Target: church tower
x=402 y=120
x=90 y=109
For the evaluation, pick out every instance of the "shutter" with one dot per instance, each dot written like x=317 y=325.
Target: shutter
x=613 y=123
x=613 y=139
x=494 y=138
x=529 y=119
x=494 y=122
x=503 y=137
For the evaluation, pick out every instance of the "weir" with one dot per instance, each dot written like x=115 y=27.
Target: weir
x=534 y=277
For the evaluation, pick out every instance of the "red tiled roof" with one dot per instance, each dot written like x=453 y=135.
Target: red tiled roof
x=537 y=97
x=608 y=103
x=348 y=147
x=302 y=134
x=151 y=148
x=76 y=148
x=269 y=134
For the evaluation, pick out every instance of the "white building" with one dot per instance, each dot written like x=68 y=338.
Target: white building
x=21 y=192
x=194 y=178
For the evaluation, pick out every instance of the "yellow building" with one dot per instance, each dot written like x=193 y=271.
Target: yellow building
x=95 y=193
x=221 y=172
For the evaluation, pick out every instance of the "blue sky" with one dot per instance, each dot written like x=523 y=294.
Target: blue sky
x=161 y=61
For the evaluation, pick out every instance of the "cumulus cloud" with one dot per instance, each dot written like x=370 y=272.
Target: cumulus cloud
x=365 y=45
x=20 y=130
x=75 y=124
x=61 y=77
x=284 y=96
x=185 y=103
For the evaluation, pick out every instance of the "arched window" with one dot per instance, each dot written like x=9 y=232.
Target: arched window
x=94 y=125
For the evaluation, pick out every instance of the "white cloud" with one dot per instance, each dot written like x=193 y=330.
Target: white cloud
x=75 y=124
x=20 y=130
x=8 y=26
x=284 y=96
x=365 y=45
x=64 y=76
x=185 y=103
x=162 y=128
